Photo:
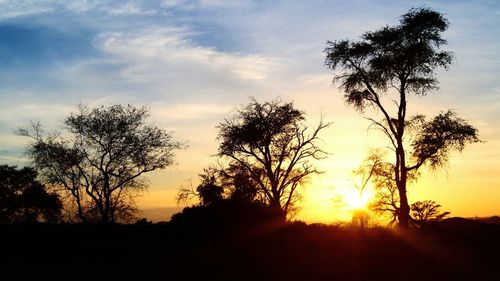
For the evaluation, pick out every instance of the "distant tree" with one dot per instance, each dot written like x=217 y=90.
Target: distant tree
x=427 y=210
x=208 y=192
x=24 y=199
x=270 y=143
x=225 y=201
x=376 y=170
x=360 y=218
x=217 y=184
x=101 y=157
x=399 y=61
x=369 y=171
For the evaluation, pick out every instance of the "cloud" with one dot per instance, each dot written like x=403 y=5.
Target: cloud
x=165 y=48
x=131 y=8
x=203 y=4
x=17 y=8
x=191 y=111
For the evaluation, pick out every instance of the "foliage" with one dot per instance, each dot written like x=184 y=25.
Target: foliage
x=269 y=144
x=99 y=161
x=222 y=217
x=438 y=137
x=208 y=192
x=218 y=183
x=24 y=199
x=397 y=61
x=427 y=210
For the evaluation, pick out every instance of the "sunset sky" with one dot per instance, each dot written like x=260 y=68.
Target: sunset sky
x=193 y=62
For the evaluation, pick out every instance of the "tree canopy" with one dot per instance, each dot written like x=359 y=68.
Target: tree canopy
x=99 y=160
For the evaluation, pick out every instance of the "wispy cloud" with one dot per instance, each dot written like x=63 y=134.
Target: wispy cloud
x=166 y=48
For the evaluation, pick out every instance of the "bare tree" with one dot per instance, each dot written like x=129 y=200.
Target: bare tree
x=271 y=143
x=398 y=61
x=100 y=159
x=379 y=173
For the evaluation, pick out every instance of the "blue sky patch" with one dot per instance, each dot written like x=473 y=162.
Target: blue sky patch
x=38 y=45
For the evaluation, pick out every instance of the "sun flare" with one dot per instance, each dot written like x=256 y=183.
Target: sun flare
x=353 y=200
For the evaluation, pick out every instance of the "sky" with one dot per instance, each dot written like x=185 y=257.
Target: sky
x=193 y=62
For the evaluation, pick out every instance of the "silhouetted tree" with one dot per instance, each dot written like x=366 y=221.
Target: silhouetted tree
x=401 y=60
x=270 y=143
x=100 y=159
x=427 y=210
x=208 y=192
x=24 y=199
x=240 y=185
x=219 y=183
x=380 y=173
x=360 y=218
x=225 y=201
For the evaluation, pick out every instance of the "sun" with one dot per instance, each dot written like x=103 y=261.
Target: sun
x=333 y=202
x=354 y=200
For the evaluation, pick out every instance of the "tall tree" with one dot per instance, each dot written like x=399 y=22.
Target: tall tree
x=24 y=199
x=399 y=61
x=270 y=142
x=101 y=157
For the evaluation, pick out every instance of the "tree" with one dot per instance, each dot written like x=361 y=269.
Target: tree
x=225 y=201
x=208 y=192
x=99 y=162
x=270 y=143
x=24 y=199
x=427 y=210
x=221 y=183
x=399 y=61
x=375 y=170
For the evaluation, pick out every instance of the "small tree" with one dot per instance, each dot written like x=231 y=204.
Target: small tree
x=99 y=162
x=399 y=61
x=380 y=173
x=24 y=199
x=220 y=183
x=208 y=192
x=427 y=210
x=270 y=143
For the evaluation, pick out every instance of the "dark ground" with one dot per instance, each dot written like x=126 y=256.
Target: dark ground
x=456 y=249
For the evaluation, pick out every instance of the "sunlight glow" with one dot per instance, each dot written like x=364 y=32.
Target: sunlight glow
x=333 y=201
x=354 y=200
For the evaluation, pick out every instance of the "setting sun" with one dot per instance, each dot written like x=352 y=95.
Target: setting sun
x=354 y=200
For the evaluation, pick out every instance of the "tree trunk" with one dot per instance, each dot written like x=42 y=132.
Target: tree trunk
x=404 y=207
x=401 y=179
x=404 y=211
x=106 y=218
x=81 y=215
x=277 y=211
